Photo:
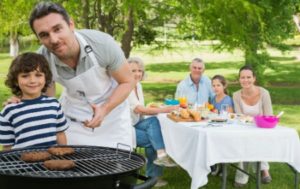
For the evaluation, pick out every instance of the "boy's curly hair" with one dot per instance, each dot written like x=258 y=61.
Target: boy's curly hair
x=24 y=63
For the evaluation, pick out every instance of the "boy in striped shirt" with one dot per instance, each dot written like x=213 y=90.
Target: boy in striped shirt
x=37 y=120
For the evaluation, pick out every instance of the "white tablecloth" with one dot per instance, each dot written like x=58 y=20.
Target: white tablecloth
x=196 y=146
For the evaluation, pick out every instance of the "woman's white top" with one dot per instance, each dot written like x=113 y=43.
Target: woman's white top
x=134 y=101
x=250 y=110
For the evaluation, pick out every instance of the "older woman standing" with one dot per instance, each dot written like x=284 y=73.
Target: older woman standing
x=148 y=131
x=251 y=100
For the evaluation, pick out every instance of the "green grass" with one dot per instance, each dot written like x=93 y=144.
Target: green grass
x=166 y=68
x=283 y=84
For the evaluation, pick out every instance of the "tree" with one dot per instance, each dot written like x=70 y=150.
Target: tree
x=131 y=22
x=249 y=25
x=14 y=16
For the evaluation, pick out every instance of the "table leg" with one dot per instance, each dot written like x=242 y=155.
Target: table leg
x=224 y=175
x=258 y=175
x=296 y=179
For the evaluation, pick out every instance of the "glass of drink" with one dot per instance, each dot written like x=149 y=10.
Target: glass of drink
x=224 y=111
x=182 y=101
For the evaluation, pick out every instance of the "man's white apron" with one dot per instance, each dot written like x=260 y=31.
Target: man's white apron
x=96 y=85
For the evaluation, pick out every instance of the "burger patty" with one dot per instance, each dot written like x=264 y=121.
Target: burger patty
x=59 y=165
x=60 y=151
x=35 y=156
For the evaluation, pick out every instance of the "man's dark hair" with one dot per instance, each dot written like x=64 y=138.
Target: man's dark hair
x=24 y=63
x=44 y=8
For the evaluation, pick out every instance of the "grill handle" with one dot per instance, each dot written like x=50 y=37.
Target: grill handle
x=149 y=182
x=125 y=145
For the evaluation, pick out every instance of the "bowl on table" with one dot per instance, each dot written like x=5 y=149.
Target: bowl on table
x=266 y=121
x=169 y=101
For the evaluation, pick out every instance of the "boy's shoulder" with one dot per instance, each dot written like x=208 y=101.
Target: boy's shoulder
x=12 y=106
x=9 y=107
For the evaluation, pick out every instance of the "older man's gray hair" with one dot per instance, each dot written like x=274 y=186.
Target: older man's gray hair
x=199 y=60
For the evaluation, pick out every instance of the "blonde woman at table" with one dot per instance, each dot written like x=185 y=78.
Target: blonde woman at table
x=148 y=131
x=251 y=100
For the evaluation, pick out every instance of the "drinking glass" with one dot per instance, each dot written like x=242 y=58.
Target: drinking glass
x=224 y=111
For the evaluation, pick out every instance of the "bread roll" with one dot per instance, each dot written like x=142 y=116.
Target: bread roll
x=184 y=114
x=195 y=115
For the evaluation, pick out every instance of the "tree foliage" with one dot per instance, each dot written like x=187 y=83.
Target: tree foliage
x=249 y=25
x=14 y=16
x=131 y=22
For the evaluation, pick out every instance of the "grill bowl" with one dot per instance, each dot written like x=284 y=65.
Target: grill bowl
x=96 y=167
x=266 y=121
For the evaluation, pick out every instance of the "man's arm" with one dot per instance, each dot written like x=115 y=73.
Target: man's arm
x=126 y=83
x=51 y=90
x=61 y=138
x=5 y=148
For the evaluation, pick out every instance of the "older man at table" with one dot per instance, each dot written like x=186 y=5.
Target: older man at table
x=196 y=87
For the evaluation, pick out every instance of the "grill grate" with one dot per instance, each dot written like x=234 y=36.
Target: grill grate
x=90 y=161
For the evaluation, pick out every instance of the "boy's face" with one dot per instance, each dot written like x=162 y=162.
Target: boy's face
x=31 y=84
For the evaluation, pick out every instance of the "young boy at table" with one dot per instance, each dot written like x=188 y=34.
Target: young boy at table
x=37 y=120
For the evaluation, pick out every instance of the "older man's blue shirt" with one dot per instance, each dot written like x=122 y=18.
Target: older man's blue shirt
x=188 y=89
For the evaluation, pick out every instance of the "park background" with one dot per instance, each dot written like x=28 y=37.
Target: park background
x=168 y=34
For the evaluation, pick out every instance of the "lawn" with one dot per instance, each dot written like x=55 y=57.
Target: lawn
x=166 y=68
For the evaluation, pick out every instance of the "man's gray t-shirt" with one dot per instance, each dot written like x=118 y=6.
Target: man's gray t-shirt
x=108 y=54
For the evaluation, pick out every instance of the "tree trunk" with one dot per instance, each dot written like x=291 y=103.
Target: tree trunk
x=106 y=20
x=253 y=57
x=128 y=34
x=14 y=45
x=85 y=14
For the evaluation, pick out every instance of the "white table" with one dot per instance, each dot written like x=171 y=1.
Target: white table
x=196 y=146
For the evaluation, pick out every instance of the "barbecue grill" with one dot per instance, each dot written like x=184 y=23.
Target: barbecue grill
x=96 y=167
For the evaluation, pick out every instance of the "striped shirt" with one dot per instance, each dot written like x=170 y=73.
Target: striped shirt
x=32 y=122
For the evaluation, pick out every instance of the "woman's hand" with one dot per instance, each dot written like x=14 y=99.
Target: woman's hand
x=12 y=100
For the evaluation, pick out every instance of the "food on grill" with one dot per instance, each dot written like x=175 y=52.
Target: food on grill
x=184 y=113
x=35 y=156
x=59 y=165
x=195 y=115
x=60 y=151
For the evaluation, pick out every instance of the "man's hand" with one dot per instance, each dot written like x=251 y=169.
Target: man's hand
x=12 y=100
x=99 y=114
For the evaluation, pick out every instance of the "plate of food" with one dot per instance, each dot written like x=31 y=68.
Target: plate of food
x=218 y=120
x=185 y=115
